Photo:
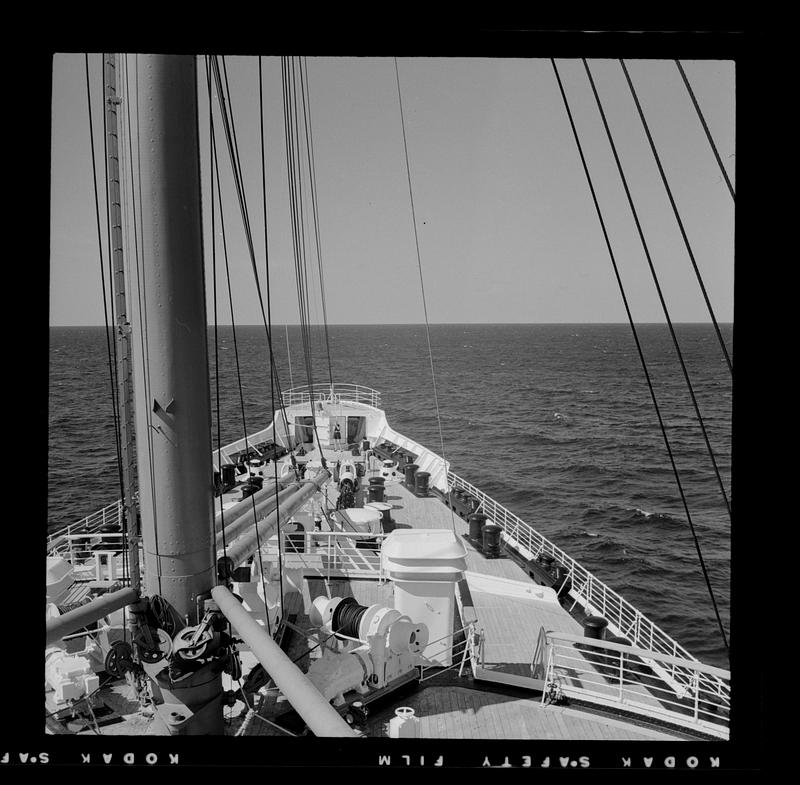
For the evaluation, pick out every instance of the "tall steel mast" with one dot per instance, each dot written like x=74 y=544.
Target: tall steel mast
x=173 y=406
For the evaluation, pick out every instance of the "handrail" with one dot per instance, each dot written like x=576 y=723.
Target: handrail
x=334 y=393
x=611 y=674
x=590 y=591
x=335 y=555
x=110 y=514
x=464 y=648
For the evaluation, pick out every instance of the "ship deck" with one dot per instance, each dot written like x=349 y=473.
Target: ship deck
x=498 y=702
x=499 y=699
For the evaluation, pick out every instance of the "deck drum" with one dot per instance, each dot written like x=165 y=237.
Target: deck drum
x=385 y=510
x=421 y=483
x=375 y=492
x=257 y=481
x=228 y=475
x=377 y=481
x=476 y=522
x=410 y=470
x=491 y=539
x=594 y=627
x=248 y=489
x=547 y=561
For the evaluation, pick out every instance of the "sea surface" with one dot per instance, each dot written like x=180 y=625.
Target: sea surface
x=555 y=422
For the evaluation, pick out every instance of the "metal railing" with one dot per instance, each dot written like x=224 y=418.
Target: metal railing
x=96 y=556
x=460 y=651
x=326 y=553
x=335 y=393
x=109 y=515
x=612 y=674
x=587 y=590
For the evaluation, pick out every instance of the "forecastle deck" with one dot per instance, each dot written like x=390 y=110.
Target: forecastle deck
x=498 y=699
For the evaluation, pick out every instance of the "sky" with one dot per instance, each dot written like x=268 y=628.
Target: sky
x=507 y=229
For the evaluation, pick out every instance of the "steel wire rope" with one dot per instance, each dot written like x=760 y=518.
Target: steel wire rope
x=268 y=324
x=298 y=227
x=294 y=170
x=211 y=167
x=677 y=217
x=637 y=342
x=296 y=199
x=236 y=166
x=111 y=363
x=230 y=134
x=422 y=287
x=127 y=155
x=230 y=130
x=314 y=203
x=212 y=148
x=705 y=128
x=215 y=168
x=112 y=375
x=113 y=344
x=652 y=268
x=233 y=149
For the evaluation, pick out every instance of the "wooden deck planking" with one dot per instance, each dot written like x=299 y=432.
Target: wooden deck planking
x=459 y=712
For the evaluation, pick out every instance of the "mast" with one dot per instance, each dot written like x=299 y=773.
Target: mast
x=124 y=380
x=173 y=404
x=173 y=411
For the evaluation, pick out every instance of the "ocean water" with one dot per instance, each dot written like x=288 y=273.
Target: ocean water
x=596 y=479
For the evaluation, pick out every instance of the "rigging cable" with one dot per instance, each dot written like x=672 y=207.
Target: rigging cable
x=269 y=324
x=127 y=155
x=111 y=362
x=226 y=110
x=294 y=171
x=229 y=128
x=677 y=216
x=314 y=204
x=658 y=289
x=639 y=348
x=218 y=193
x=422 y=287
x=111 y=369
x=211 y=168
x=705 y=128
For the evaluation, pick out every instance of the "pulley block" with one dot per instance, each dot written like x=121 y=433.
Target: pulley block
x=119 y=659
x=191 y=643
x=153 y=644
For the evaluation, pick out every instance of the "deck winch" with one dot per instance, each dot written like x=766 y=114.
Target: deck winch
x=382 y=646
x=348 y=476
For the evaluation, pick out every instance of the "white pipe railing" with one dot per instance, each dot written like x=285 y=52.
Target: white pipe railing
x=592 y=594
x=325 y=553
x=336 y=393
x=612 y=674
x=111 y=514
x=461 y=652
